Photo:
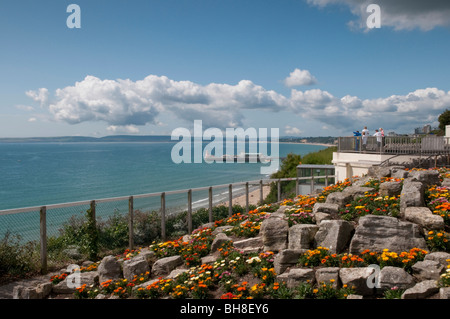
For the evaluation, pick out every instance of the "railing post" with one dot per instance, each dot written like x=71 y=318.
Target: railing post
x=189 y=216
x=43 y=239
x=163 y=216
x=279 y=190
x=230 y=200
x=130 y=223
x=210 y=197
x=260 y=191
x=246 y=198
x=296 y=187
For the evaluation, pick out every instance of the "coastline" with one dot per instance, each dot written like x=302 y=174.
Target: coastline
x=253 y=197
x=306 y=143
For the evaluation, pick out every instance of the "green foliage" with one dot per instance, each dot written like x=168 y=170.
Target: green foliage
x=444 y=119
x=288 y=168
x=16 y=258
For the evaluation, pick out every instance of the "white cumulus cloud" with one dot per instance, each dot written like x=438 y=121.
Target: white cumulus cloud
x=300 y=78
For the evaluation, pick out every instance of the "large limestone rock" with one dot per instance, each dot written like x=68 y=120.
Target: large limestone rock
x=295 y=276
x=358 y=191
x=428 y=177
x=334 y=235
x=328 y=275
x=339 y=198
x=109 y=268
x=412 y=194
x=391 y=277
x=218 y=241
x=301 y=236
x=165 y=265
x=274 y=233
x=384 y=232
x=424 y=217
x=421 y=290
x=286 y=258
x=428 y=270
x=390 y=188
x=135 y=267
x=360 y=278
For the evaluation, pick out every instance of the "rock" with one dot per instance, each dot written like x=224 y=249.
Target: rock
x=218 y=241
x=358 y=191
x=175 y=273
x=391 y=277
x=358 y=278
x=428 y=270
x=135 y=267
x=379 y=171
x=446 y=182
x=353 y=296
x=254 y=242
x=319 y=217
x=339 y=198
x=384 y=232
x=328 y=274
x=412 y=194
x=428 y=177
x=209 y=259
x=165 y=265
x=439 y=256
x=44 y=289
x=301 y=236
x=399 y=173
x=424 y=217
x=390 y=189
x=286 y=258
x=73 y=252
x=221 y=229
x=421 y=290
x=334 y=235
x=332 y=209
x=444 y=293
x=294 y=276
x=109 y=268
x=75 y=280
x=274 y=233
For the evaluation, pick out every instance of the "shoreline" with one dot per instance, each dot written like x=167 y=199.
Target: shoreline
x=306 y=143
x=253 y=198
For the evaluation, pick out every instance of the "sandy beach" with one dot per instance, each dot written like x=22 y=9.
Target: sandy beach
x=253 y=197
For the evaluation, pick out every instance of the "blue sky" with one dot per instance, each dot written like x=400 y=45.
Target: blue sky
x=307 y=67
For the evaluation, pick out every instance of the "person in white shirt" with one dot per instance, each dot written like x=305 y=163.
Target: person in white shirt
x=379 y=138
x=365 y=136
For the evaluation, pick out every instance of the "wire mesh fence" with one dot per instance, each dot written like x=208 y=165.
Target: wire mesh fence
x=49 y=237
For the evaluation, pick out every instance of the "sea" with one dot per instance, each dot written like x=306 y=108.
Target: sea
x=38 y=174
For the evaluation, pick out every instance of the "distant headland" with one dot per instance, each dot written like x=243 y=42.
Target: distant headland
x=327 y=140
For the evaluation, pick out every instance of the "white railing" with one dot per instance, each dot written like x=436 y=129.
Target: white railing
x=43 y=210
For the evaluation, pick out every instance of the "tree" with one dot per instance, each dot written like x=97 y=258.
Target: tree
x=444 y=119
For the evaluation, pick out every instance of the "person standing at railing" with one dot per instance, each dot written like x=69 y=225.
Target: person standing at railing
x=365 y=136
x=379 y=139
x=357 y=136
x=382 y=136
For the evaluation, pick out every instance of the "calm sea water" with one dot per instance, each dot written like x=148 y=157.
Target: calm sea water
x=50 y=173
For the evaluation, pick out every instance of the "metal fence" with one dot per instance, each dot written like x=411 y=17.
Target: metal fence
x=44 y=222
x=408 y=145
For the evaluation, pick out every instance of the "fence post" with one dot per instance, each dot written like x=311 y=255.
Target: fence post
x=279 y=190
x=210 y=197
x=189 y=217
x=246 y=198
x=163 y=216
x=296 y=187
x=130 y=223
x=43 y=239
x=260 y=191
x=230 y=200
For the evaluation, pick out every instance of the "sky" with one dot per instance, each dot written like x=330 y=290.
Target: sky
x=147 y=67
